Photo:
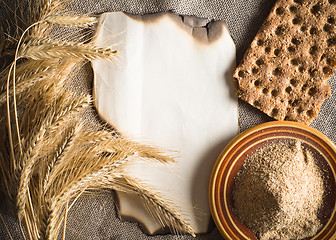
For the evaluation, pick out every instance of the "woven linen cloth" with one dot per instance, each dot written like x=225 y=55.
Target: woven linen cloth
x=94 y=215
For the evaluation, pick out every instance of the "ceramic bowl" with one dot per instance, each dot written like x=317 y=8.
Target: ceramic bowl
x=245 y=145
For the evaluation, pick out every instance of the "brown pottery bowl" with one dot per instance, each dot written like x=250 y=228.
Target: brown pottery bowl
x=245 y=145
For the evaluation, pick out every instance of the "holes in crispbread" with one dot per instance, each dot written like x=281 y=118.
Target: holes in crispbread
x=316 y=9
x=293 y=9
x=331 y=20
x=275 y=112
x=331 y=62
x=267 y=49
x=312 y=91
x=313 y=50
x=294 y=103
x=260 y=62
x=313 y=31
x=257 y=103
x=303 y=28
x=241 y=73
x=260 y=42
x=293 y=82
x=313 y=72
x=297 y=20
x=327 y=70
x=279 y=10
x=277 y=71
x=280 y=30
x=331 y=41
x=288 y=118
x=304 y=87
x=255 y=70
x=257 y=83
x=288 y=90
x=301 y=69
x=298 y=1
x=265 y=90
x=277 y=52
x=295 y=62
x=328 y=28
x=296 y=41
x=310 y=113
x=275 y=93
x=291 y=49
x=299 y=110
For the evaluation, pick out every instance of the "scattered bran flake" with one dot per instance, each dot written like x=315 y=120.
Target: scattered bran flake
x=278 y=192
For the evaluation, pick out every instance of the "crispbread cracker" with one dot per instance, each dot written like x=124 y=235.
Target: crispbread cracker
x=284 y=73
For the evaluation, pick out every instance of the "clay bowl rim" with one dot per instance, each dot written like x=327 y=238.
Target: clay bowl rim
x=228 y=224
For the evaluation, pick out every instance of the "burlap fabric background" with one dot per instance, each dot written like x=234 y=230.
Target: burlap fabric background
x=94 y=216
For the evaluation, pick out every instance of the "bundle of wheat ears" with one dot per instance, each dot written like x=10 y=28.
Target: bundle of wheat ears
x=48 y=157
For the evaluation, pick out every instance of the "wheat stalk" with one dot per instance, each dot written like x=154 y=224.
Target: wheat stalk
x=5 y=176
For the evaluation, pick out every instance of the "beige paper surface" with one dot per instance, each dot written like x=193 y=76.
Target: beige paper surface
x=170 y=87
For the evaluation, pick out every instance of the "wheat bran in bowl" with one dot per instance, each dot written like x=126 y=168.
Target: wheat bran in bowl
x=278 y=191
x=289 y=208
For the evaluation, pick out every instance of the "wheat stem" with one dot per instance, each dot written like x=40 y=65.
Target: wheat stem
x=34 y=230
x=65 y=220
x=14 y=98
x=10 y=136
x=22 y=232
x=4 y=223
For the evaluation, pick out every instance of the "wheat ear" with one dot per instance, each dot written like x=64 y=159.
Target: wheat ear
x=24 y=86
x=94 y=180
x=46 y=50
x=61 y=149
x=48 y=99
x=103 y=140
x=71 y=20
x=27 y=70
x=30 y=207
x=64 y=173
x=161 y=209
x=7 y=230
x=35 y=147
